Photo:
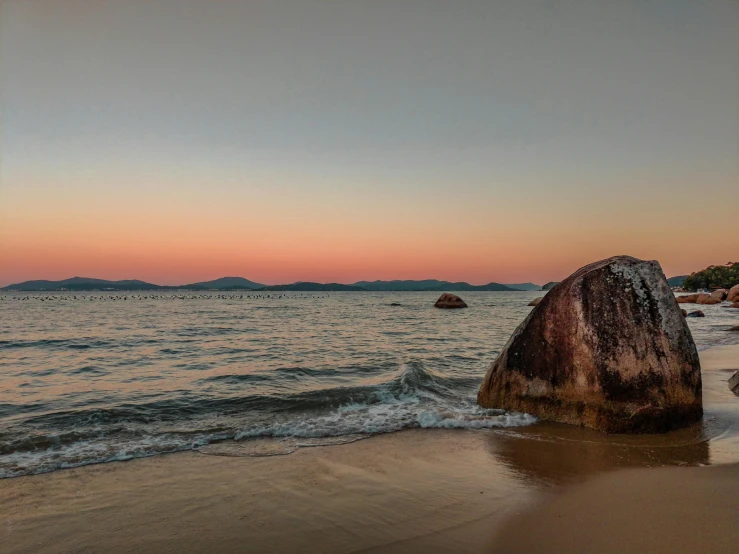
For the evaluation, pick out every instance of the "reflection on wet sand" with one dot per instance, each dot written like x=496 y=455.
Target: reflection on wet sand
x=551 y=453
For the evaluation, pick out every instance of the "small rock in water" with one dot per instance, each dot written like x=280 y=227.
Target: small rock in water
x=734 y=328
x=536 y=301
x=734 y=383
x=450 y=302
x=684 y=312
x=696 y=313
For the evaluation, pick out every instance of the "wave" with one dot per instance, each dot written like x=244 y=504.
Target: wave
x=411 y=397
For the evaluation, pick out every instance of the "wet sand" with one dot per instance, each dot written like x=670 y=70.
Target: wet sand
x=547 y=488
x=670 y=510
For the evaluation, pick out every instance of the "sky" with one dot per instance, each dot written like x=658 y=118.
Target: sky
x=177 y=141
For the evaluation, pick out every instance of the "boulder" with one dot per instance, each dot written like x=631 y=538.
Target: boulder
x=733 y=294
x=696 y=313
x=734 y=383
x=535 y=301
x=706 y=299
x=450 y=301
x=607 y=348
x=689 y=299
x=720 y=294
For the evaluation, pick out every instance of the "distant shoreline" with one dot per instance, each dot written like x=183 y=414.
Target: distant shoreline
x=84 y=284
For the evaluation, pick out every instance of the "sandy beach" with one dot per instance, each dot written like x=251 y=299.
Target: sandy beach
x=543 y=488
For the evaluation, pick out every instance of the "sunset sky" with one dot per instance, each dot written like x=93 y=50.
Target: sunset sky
x=176 y=141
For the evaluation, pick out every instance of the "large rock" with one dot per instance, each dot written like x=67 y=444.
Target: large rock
x=707 y=299
x=607 y=348
x=720 y=294
x=733 y=295
x=450 y=301
x=688 y=299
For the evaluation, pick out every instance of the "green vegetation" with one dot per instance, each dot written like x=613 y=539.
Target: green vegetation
x=714 y=277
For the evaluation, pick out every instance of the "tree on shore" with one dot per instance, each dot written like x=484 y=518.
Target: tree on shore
x=714 y=277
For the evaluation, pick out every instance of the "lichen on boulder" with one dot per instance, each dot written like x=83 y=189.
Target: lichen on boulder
x=607 y=348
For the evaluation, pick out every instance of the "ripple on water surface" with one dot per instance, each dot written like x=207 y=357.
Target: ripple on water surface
x=88 y=377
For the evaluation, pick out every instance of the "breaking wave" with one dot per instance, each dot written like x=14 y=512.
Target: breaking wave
x=411 y=397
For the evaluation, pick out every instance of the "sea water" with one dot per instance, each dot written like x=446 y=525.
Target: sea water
x=100 y=376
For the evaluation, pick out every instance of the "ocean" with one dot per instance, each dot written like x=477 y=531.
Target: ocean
x=101 y=376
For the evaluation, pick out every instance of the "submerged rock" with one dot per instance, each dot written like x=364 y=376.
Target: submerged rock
x=696 y=313
x=535 y=301
x=607 y=348
x=450 y=301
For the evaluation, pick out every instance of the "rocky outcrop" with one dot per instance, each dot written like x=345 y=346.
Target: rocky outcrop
x=450 y=301
x=707 y=299
x=688 y=299
x=696 y=313
x=535 y=301
x=734 y=383
x=720 y=294
x=733 y=295
x=607 y=348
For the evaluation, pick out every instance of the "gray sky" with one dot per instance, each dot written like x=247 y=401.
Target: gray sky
x=536 y=116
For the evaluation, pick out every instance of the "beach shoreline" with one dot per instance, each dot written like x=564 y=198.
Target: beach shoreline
x=548 y=487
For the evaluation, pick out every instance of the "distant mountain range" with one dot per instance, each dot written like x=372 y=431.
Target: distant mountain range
x=303 y=286
x=677 y=281
x=524 y=286
x=239 y=283
x=429 y=285
x=225 y=283
x=83 y=283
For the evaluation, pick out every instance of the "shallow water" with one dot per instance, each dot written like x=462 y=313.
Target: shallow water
x=92 y=377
